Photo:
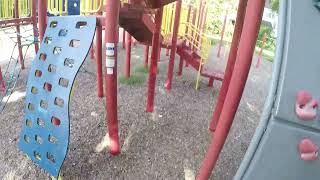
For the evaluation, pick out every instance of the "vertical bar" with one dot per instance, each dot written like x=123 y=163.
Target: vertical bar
x=167 y=51
x=123 y=39
x=238 y=80
x=42 y=17
x=99 y=59
x=2 y=84
x=180 y=66
x=222 y=33
x=128 y=56
x=154 y=60
x=16 y=15
x=92 y=51
x=188 y=19
x=111 y=39
x=194 y=16
x=34 y=23
x=230 y=64
x=146 y=56
x=173 y=45
x=264 y=39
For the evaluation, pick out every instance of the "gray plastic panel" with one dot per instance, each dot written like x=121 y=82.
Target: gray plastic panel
x=45 y=131
x=273 y=152
x=301 y=57
x=277 y=157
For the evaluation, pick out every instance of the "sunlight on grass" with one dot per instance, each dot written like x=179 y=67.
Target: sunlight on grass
x=133 y=80
x=141 y=69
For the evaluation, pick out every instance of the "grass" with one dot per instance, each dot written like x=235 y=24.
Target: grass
x=141 y=69
x=134 y=79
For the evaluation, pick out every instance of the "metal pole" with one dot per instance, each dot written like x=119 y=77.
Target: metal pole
x=34 y=23
x=154 y=60
x=128 y=56
x=42 y=17
x=123 y=39
x=2 y=84
x=174 y=45
x=146 y=56
x=16 y=15
x=111 y=39
x=222 y=33
x=230 y=64
x=264 y=39
x=99 y=59
x=92 y=51
x=238 y=80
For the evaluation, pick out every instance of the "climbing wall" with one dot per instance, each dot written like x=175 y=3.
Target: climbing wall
x=286 y=143
x=45 y=132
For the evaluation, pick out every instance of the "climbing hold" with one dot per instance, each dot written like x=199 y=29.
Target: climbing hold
x=306 y=107
x=308 y=150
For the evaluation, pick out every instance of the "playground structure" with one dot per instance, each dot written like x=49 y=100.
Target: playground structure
x=285 y=132
x=188 y=48
x=15 y=16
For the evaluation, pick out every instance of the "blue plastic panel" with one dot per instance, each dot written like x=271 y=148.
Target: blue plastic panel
x=45 y=131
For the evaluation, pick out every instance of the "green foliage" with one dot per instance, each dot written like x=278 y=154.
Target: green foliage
x=134 y=79
x=270 y=42
x=275 y=5
x=142 y=69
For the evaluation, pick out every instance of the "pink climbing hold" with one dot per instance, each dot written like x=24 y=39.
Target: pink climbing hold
x=306 y=106
x=308 y=150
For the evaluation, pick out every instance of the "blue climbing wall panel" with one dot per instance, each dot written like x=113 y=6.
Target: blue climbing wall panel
x=45 y=131
x=286 y=143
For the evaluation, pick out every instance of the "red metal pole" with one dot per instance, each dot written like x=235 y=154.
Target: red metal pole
x=128 y=56
x=99 y=60
x=188 y=18
x=194 y=16
x=2 y=84
x=123 y=39
x=146 y=56
x=264 y=39
x=34 y=23
x=174 y=45
x=42 y=17
x=167 y=51
x=238 y=80
x=180 y=66
x=154 y=60
x=222 y=33
x=111 y=39
x=92 y=51
x=230 y=64
x=16 y=15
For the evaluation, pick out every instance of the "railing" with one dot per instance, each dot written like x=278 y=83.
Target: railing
x=91 y=6
x=198 y=42
x=58 y=7
x=7 y=8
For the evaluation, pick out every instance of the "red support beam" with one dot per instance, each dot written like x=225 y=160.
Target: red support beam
x=180 y=66
x=34 y=23
x=230 y=64
x=264 y=39
x=42 y=17
x=222 y=33
x=173 y=45
x=16 y=15
x=123 y=39
x=238 y=80
x=99 y=73
x=92 y=51
x=111 y=39
x=2 y=83
x=146 y=56
x=154 y=60
x=128 y=56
